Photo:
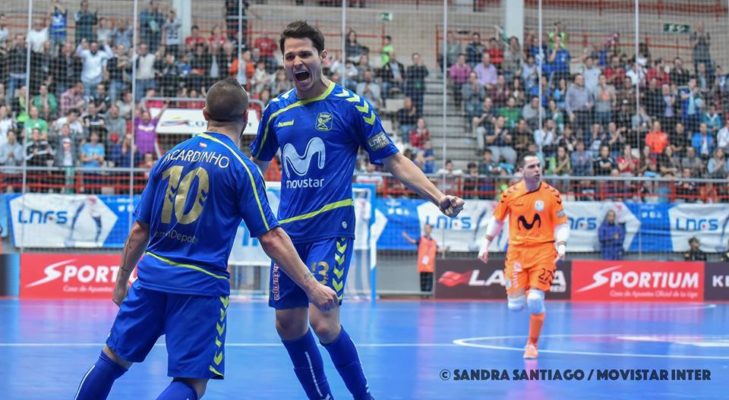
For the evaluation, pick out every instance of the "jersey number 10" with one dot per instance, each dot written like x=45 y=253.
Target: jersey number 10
x=177 y=192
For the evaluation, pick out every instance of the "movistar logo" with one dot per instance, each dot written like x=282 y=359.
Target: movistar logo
x=300 y=164
x=523 y=224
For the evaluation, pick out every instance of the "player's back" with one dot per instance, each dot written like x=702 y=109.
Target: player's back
x=194 y=201
x=532 y=214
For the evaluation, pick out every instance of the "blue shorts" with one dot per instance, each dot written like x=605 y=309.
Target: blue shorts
x=194 y=329
x=328 y=260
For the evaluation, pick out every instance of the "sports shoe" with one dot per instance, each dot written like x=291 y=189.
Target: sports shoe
x=530 y=351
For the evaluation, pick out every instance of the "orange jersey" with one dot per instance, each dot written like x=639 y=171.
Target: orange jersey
x=532 y=215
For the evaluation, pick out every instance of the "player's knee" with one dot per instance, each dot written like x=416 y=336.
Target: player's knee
x=291 y=324
x=325 y=330
x=115 y=357
x=535 y=301
x=516 y=303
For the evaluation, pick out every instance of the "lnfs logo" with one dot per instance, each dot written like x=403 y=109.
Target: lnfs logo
x=301 y=164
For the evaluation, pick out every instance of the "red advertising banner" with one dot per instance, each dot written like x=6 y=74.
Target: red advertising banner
x=68 y=276
x=637 y=281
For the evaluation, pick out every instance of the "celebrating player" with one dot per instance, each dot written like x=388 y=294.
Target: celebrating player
x=538 y=232
x=319 y=127
x=192 y=206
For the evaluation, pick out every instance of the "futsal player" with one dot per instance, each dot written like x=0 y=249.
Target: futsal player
x=319 y=126
x=185 y=227
x=538 y=232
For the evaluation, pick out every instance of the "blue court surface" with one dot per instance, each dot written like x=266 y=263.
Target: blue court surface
x=409 y=349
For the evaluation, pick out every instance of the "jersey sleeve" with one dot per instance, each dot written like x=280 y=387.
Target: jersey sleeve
x=253 y=203
x=558 y=214
x=265 y=144
x=369 y=130
x=502 y=209
x=143 y=211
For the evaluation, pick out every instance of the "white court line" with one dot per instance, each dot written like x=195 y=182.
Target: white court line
x=243 y=344
x=467 y=343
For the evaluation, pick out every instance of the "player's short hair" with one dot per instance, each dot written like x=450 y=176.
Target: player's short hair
x=302 y=30
x=522 y=160
x=226 y=101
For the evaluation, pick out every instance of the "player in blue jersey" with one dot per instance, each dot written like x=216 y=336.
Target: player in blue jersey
x=319 y=126
x=185 y=227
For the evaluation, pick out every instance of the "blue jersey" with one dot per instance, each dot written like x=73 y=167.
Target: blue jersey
x=319 y=139
x=194 y=201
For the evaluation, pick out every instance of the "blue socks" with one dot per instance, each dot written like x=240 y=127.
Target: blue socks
x=97 y=382
x=178 y=391
x=345 y=358
x=308 y=366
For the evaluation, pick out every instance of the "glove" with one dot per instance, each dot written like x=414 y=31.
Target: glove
x=483 y=252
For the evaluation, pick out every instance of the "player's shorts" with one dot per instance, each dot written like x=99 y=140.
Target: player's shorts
x=530 y=267
x=194 y=328
x=328 y=260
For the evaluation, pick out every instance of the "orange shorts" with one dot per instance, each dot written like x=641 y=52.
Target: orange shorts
x=530 y=267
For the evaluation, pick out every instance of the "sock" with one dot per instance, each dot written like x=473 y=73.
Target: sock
x=345 y=358
x=97 y=382
x=178 y=390
x=308 y=366
x=535 y=327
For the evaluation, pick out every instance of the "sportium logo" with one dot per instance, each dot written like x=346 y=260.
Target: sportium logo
x=296 y=165
x=77 y=276
x=638 y=281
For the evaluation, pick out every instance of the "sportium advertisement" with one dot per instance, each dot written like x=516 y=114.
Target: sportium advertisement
x=472 y=279
x=637 y=281
x=68 y=276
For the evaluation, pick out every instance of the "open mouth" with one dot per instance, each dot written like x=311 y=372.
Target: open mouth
x=301 y=75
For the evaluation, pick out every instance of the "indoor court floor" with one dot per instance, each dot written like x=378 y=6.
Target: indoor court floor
x=409 y=349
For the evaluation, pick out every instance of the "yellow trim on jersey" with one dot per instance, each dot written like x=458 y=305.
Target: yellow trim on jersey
x=215 y=371
x=288 y=107
x=328 y=207
x=190 y=266
x=250 y=176
x=364 y=109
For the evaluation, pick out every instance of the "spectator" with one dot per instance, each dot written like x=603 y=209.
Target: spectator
x=530 y=74
x=628 y=165
x=488 y=166
x=352 y=48
x=85 y=22
x=559 y=60
x=703 y=142
x=656 y=139
x=104 y=32
x=471 y=181
x=459 y=73
x=474 y=96
x=116 y=66
x=686 y=187
x=486 y=72
x=415 y=81
x=126 y=105
x=4 y=34
x=35 y=122
x=692 y=162
x=38 y=152
x=717 y=167
x=581 y=160
x=712 y=119
x=121 y=151
x=419 y=135
x=691 y=105
x=195 y=39
x=605 y=101
x=151 y=21
x=7 y=123
x=546 y=138
x=603 y=163
x=532 y=112
x=145 y=64
x=701 y=42
x=453 y=51
x=11 y=152
x=15 y=60
x=370 y=89
x=169 y=77
x=500 y=142
x=407 y=117
x=513 y=59
x=171 y=28
x=474 y=50
x=123 y=33
x=722 y=137
x=448 y=178
x=46 y=103
x=694 y=253
x=611 y=235
x=261 y=78
x=592 y=74
x=668 y=163
x=38 y=35
x=74 y=123
x=65 y=69
x=579 y=102
x=66 y=155
x=92 y=153
x=145 y=133
x=393 y=76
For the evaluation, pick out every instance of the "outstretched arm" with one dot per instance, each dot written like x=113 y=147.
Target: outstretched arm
x=409 y=238
x=408 y=173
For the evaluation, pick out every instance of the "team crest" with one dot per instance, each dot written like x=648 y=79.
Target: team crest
x=324 y=122
x=539 y=205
